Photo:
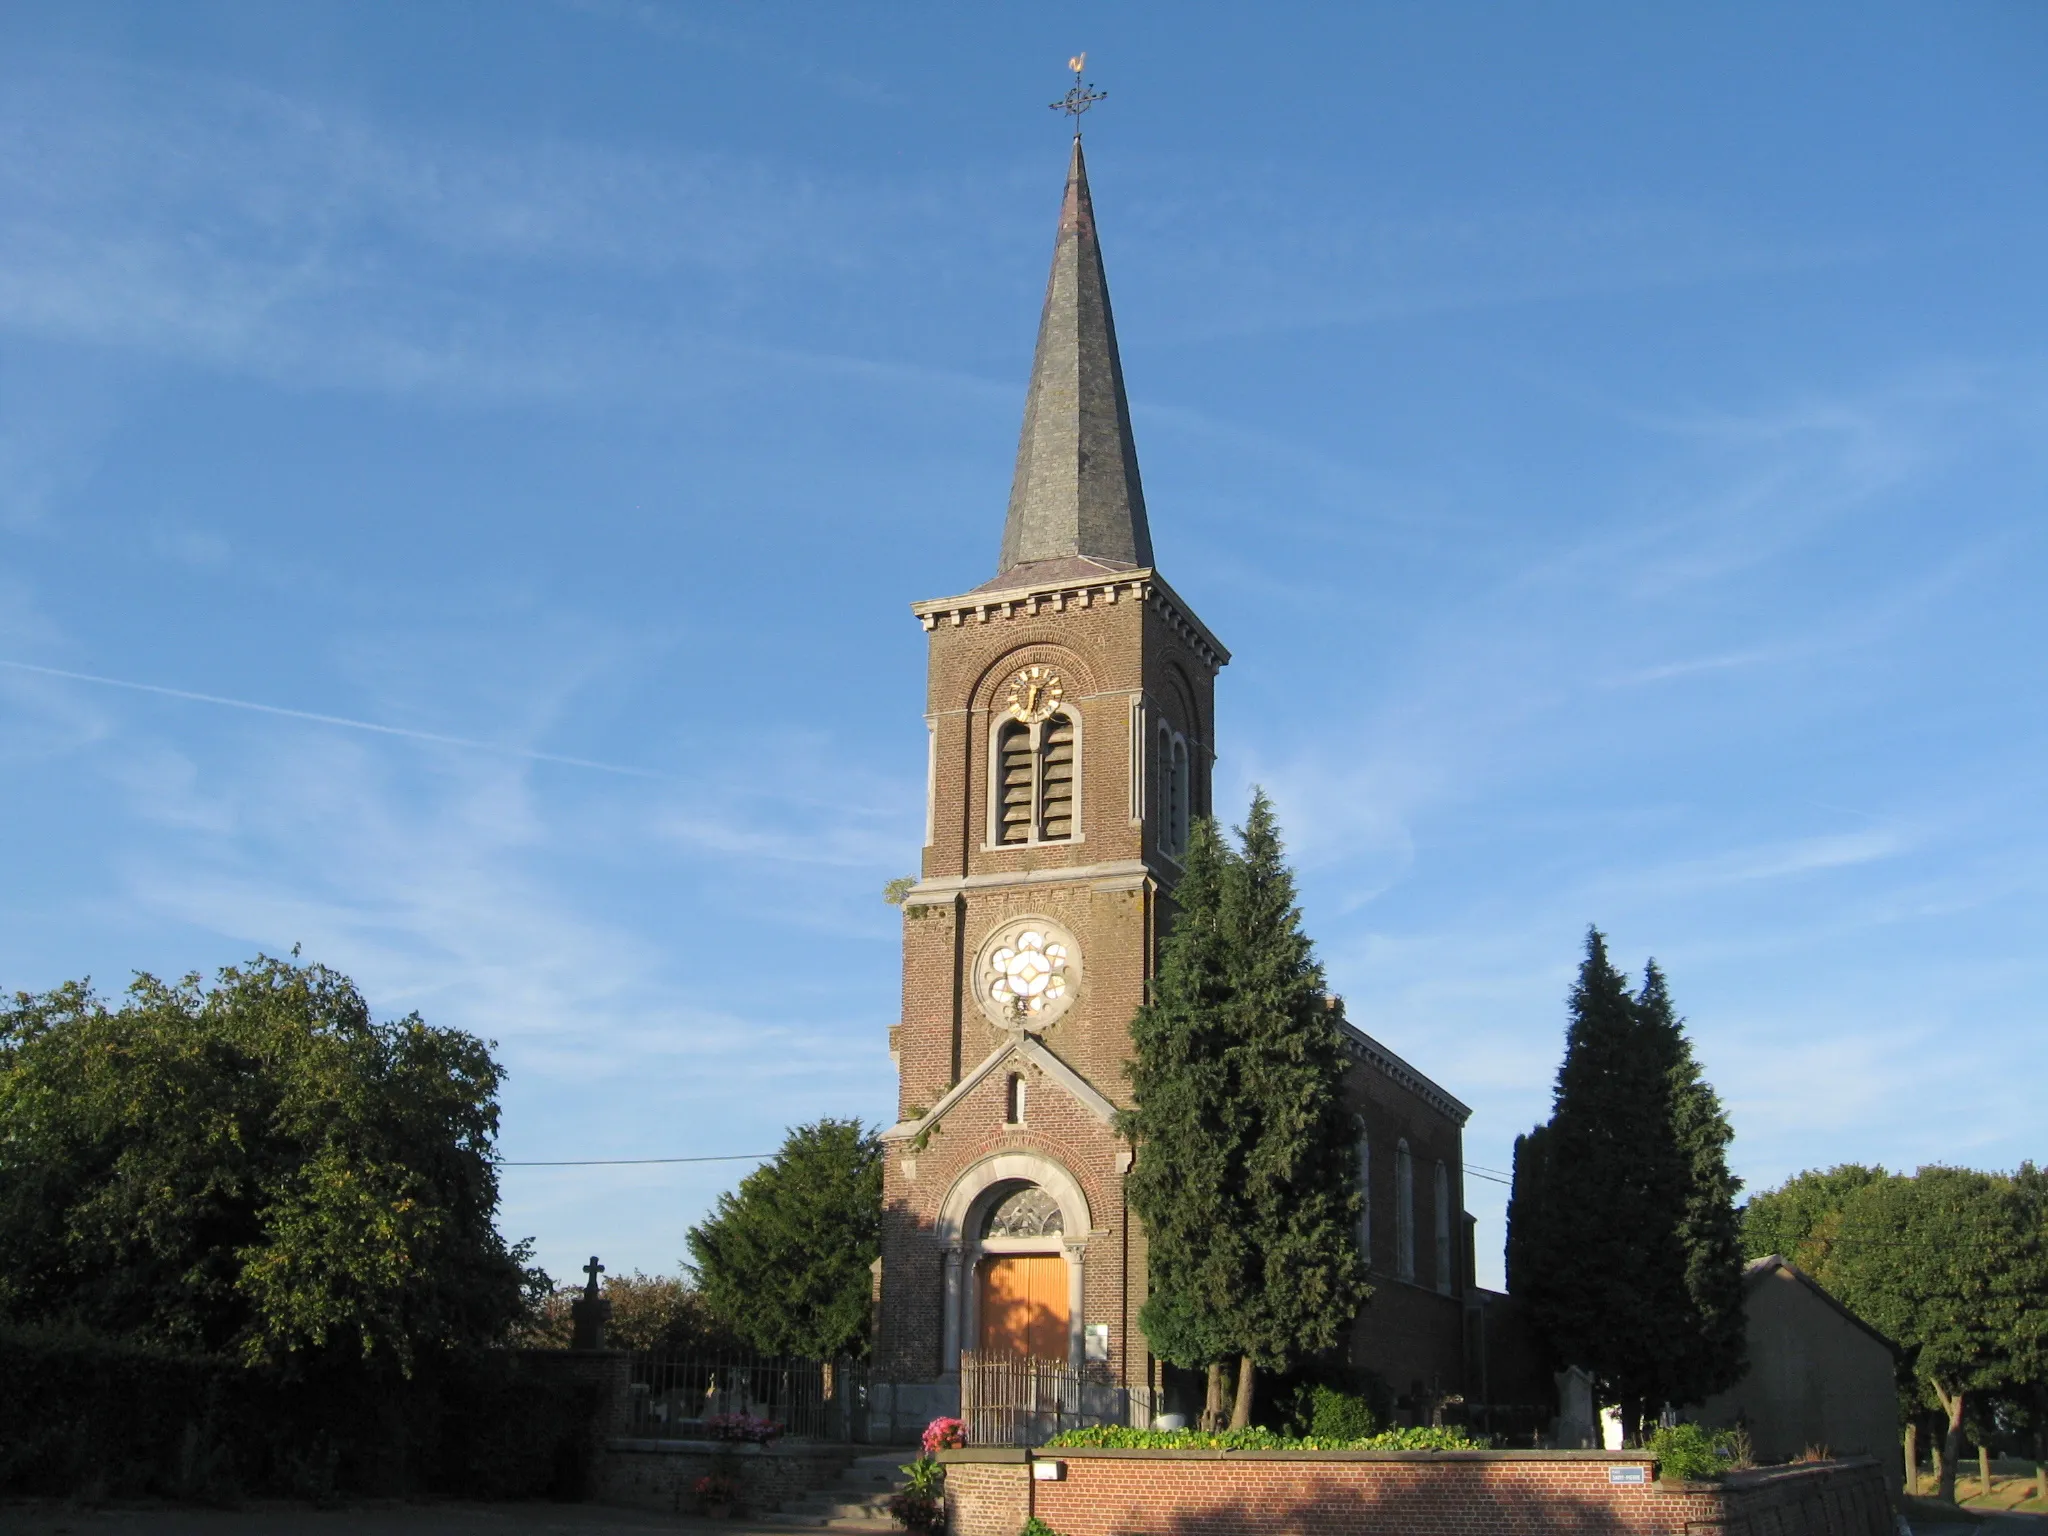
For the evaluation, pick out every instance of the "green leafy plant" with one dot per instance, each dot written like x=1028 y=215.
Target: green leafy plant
x=1037 y=1527
x=1689 y=1452
x=1117 y=1437
x=920 y=1505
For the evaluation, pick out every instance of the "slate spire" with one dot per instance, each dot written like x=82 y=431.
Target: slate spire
x=1076 y=495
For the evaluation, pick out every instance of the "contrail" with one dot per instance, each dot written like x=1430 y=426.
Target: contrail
x=340 y=720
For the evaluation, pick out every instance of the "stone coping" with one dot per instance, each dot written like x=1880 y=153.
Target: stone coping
x=1017 y=1453
x=647 y=1444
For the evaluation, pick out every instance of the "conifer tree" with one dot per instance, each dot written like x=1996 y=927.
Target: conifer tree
x=1246 y=1174
x=1623 y=1234
x=1526 y=1199
x=1305 y=1279
x=1182 y=1183
x=1600 y=1284
x=1708 y=1339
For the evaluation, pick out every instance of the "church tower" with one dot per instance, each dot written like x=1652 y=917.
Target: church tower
x=1071 y=711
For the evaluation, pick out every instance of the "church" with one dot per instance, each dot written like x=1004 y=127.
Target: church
x=1071 y=711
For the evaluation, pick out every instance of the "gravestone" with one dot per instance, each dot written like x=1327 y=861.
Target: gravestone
x=1577 y=1427
x=590 y=1311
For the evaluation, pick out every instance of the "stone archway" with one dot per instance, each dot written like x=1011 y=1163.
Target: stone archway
x=1060 y=1224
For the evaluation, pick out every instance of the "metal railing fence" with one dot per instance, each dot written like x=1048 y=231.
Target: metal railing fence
x=1016 y=1400
x=692 y=1396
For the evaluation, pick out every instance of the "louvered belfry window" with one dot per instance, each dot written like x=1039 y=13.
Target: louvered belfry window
x=1035 y=768
x=1014 y=778
x=1056 y=779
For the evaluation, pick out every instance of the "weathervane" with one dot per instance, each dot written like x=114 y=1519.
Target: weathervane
x=1081 y=97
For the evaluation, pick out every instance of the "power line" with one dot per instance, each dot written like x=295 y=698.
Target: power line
x=621 y=1162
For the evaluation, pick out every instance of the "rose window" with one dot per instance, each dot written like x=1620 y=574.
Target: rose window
x=1030 y=973
x=1027 y=973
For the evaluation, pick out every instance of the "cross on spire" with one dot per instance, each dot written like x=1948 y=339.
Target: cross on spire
x=592 y=1269
x=1079 y=97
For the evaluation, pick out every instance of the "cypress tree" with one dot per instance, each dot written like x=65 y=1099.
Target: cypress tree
x=1600 y=1275
x=1303 y=1281
x=1245 y=1177
x=1182 y=1182
x=1708 y=1340
x=1525 y=1210
x=1623 y=1235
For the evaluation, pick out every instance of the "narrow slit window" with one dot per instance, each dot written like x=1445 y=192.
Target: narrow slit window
x=1180 y=794
x=1404 y=1212
x=1443 y=1229
x=1013 y=1109
x=1365 y=1199
x=1056 y=779
x=1014 y=783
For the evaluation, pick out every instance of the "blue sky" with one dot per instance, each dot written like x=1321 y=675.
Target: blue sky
x=1611 y=441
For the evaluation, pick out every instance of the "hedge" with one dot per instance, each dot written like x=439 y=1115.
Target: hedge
x=85 y=1416
x=1117 y=1437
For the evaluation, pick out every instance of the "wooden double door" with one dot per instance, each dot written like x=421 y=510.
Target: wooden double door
x=1022 y=1301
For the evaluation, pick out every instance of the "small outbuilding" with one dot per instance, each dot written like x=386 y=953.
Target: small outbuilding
x=1818 y=1375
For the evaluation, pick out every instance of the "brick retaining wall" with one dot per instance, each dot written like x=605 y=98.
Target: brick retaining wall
x=1416 y=1493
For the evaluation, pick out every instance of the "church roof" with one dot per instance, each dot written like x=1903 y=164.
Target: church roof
x=1076 y=495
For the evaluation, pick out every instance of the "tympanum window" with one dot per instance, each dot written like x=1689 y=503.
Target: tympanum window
x=1029 y=1212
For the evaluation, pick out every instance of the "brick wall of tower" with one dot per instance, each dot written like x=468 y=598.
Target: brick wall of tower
x=1106 y=655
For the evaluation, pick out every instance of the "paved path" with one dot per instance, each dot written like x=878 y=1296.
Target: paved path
x=267 y=1519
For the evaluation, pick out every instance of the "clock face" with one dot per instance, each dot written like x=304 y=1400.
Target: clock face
x=1034 y=694
x=1027 y=973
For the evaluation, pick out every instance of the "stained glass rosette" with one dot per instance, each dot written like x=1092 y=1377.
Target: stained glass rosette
x=1030 y=973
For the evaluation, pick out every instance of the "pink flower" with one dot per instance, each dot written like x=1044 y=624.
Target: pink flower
x=944 y=1435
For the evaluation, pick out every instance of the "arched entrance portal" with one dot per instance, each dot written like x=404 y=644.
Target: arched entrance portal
x=1021 y=1287
x=1015 y=1228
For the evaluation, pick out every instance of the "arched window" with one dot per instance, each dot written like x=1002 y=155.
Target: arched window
x=1180 y=794
x=1171 y=789
x=1013 y=1103
x=1036 y=780
x=1404 y=1212
x=1443 y=1229
x=1014 y=782
x=1365 y=1199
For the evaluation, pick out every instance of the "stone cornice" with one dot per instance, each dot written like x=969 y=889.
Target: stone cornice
x=1362 y=1047
x=1142 y=585
x=1110 y=875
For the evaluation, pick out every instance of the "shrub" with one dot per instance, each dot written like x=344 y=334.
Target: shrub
x=1335 y=1415
x=1689 y=1452
x=82 y=1413
x=1117 y=1437
x=1037 y=1527
x=944 y=1435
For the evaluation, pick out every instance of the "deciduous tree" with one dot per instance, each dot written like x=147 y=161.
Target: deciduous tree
x=1952 y=1265
x=257 y=1167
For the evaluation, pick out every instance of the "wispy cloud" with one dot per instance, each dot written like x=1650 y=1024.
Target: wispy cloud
x=433 y=738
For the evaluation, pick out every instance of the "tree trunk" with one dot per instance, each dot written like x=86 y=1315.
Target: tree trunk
x=1241 y=1408
x=1212 y=1404
x=1952 y=1445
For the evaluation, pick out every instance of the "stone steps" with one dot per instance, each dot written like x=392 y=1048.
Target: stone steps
x=857 y=1502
